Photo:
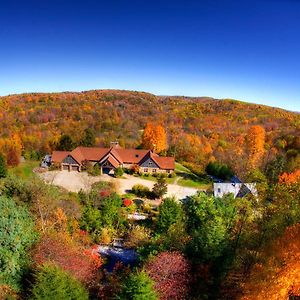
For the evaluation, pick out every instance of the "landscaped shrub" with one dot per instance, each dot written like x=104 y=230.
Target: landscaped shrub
x=160 y=188
x=172 y=175
x=127 y=202
x=119 y=172
x=94 y=170
x=141 y=190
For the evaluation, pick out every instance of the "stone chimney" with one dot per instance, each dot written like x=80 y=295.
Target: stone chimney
x=115 y=144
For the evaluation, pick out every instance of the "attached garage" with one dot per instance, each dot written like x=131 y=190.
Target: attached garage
x=75 y=168
x=65 y=167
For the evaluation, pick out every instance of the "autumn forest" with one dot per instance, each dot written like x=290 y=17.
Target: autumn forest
x=201 y=248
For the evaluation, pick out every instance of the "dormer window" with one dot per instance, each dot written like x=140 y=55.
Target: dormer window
x=136 y=155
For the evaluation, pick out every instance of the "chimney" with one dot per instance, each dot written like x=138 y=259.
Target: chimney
x=114 y=144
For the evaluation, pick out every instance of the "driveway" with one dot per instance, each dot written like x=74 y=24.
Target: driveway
x=75 y=181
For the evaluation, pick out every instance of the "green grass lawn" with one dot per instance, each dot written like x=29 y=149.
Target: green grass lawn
x=184 y=177
x=24 y=169
x=187 y=178
x=181 y=169
x=153 y=178
x=193 y=184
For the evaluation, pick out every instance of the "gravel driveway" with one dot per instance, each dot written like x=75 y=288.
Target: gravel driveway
x=75 y=181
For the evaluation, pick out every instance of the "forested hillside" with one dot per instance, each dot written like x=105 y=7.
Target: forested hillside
x=198 y=129
x=204 y=247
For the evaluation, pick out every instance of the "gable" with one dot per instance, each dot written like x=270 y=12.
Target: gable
x=149 y=163
x=244 y=190
x=70 y=160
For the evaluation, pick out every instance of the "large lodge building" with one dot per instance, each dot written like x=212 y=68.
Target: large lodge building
x=108 y=159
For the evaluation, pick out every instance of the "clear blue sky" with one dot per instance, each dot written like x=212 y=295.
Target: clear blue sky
x=248 y=50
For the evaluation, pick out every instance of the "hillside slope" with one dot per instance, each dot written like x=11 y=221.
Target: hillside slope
x=220 y=126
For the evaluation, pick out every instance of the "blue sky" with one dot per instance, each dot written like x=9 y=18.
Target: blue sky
x=247 y=50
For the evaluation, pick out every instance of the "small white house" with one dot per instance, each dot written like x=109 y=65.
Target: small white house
x=239 y=190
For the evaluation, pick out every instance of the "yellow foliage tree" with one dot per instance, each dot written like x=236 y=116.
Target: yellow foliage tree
x=255 y=145
x=154 y=137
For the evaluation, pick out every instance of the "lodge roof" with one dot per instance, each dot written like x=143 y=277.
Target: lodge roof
x=59 y=156
x=118 y=156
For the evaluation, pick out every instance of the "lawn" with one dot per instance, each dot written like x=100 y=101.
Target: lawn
x=24 y=169
x=193 y=183
x=181 y=169
x=184 y=177
x=153 y=178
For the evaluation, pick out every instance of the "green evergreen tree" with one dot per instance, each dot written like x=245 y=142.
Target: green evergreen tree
x=16 y=236
x=54 y=283
x=170 y=212
x=65 y=143
x=89 y=138
x=3 y=168
x=138 y=286
x=209 y=222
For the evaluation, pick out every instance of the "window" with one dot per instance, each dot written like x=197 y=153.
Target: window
x=219 y=190
x=169 y=171
x=146 y=170
x=150 y=163
x=154 y=170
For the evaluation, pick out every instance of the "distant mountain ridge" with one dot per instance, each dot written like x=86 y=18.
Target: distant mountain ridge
x=201 y=98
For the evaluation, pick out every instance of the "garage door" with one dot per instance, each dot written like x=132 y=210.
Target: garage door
x=65 y=167
x=75 y=168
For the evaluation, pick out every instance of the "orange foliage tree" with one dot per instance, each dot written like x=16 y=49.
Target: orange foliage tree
x=154 y=137
x=194 y=149
x=289 y=178
x=279 y=276
x=12 y=149
x=255 y=144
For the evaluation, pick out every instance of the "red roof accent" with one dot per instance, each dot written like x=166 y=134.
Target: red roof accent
x=59 y=156
x=115 y=156
x=77 y=155
x=132 y=156
x=92 y=153
x=113 y=151
x=166 y=163
x=113 y=161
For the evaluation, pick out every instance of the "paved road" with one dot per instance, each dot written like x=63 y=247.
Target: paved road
x=74 y=182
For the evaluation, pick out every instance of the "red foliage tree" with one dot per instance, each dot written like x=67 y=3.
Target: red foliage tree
x=171 y=274
x=13 y=158
x=82 y=263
